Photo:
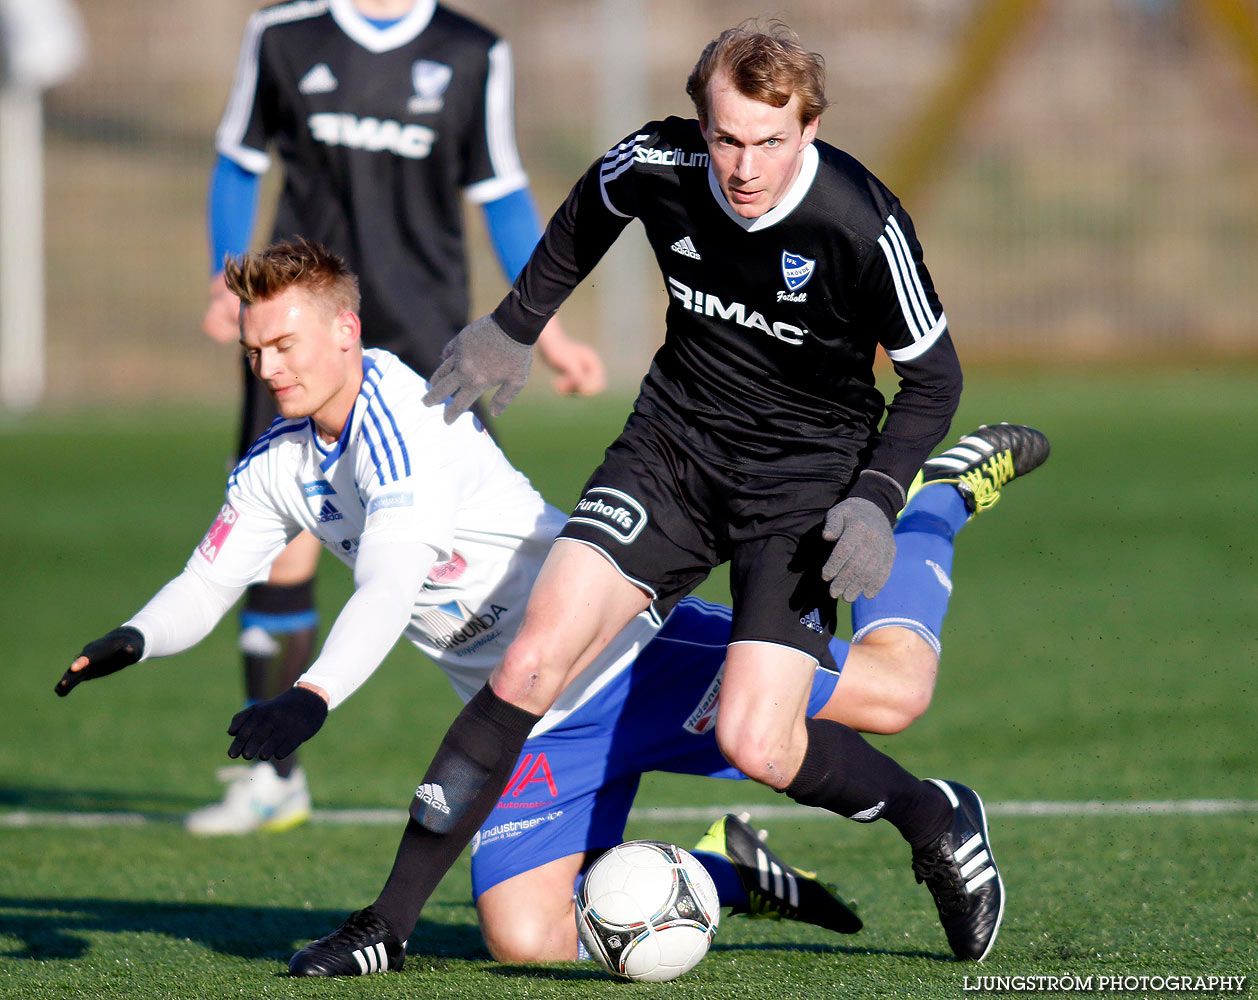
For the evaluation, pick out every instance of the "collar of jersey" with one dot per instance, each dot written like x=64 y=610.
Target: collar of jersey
x=374 y=39
x=807 y=174
x=330 y=453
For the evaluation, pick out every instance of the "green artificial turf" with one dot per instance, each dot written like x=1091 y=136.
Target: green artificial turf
x=1100 y=648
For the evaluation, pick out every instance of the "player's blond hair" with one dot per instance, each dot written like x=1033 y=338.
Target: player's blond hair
x=766 y=64
x=264 y=274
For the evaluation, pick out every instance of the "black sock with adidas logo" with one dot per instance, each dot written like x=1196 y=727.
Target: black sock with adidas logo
x=464 y=780
x=842 y=772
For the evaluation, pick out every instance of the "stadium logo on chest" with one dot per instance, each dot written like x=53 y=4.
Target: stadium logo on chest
x=617 y=513
x=430 y=80
x=670 y=157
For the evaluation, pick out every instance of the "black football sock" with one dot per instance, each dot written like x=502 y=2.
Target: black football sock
x=842 y=772
x=279 y=626
x=459 y=791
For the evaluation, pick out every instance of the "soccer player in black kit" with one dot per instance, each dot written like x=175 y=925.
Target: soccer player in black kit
x=755 y=440
x=386 y=116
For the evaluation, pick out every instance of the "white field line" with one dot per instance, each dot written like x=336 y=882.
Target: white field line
x=26 y=819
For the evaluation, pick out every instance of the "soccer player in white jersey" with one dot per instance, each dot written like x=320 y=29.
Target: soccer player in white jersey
x=386 y=116
x=445 y=538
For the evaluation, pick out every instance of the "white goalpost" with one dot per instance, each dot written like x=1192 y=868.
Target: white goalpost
x=41 y=43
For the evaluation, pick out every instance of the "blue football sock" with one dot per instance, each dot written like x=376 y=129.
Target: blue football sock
x=917 y=593
x=729 y=887
x=942 y=500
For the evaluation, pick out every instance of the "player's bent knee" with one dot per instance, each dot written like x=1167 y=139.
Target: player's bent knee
x=756 y=754
x=511 y=944
x=529 y=917
x=521 y=676
x=918 y=668
x=913 y=704
x=529 y=938
x=897 y=712
x=887 y=683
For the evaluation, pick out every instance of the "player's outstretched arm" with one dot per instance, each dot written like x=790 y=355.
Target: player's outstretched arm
x=481 y=357
x=106 y=655
x=389 y=573
x=484 y=354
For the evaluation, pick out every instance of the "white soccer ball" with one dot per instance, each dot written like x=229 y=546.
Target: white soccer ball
x=647 y=911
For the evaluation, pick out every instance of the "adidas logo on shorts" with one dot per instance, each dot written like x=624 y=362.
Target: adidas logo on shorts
x=812 y=621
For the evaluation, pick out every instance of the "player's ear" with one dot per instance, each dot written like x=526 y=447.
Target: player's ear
x=810 y=130
x=349 y=329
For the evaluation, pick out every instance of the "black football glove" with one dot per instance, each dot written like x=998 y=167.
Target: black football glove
x=275 y=728
x=106 y=655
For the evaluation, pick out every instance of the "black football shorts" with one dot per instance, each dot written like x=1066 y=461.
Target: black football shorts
x=666 y=517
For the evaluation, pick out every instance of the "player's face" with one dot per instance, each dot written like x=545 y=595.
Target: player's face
x=306 y=354
x=757 y=150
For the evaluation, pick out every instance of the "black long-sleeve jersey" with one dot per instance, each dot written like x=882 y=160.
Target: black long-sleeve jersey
x=773 y=322
x=381 y=132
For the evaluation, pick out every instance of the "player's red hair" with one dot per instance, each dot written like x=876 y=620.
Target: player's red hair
x=264 y=274
x=766 y=65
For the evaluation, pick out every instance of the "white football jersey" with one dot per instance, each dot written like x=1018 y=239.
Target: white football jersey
x=401 y=477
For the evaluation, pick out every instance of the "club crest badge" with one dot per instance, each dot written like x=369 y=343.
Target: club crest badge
x=430 y=80
x=796 y=270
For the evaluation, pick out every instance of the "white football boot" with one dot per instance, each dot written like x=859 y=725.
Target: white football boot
x=257 y=799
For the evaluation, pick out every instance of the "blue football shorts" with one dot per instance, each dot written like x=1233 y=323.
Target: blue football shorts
x=573 y=785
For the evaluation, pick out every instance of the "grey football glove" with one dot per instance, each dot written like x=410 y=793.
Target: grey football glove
x=480 y=357
x=864 y=549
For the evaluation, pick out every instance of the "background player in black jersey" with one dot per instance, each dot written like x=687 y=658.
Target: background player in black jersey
x=385 y=115
x=755 y=439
